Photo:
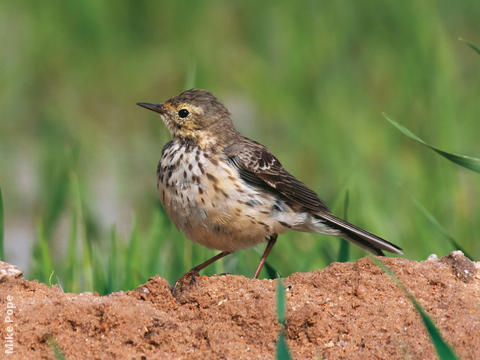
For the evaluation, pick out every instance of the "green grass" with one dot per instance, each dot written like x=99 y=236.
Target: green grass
x=56 y=350
x=465 y=161
x=472 y=46
x=440 y=229
x=282 y=349
x=444 y=351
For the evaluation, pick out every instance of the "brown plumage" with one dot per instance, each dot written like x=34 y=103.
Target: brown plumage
x=228 y=192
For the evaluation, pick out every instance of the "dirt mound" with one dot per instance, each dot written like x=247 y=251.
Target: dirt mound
x=348 y=311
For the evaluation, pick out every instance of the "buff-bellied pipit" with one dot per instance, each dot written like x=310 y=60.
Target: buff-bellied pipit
x=228 y=192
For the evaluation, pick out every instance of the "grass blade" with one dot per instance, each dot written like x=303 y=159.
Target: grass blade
x=439 y=226
x=476 y=49
x=133 y=259
x=444 y=351
x=271 y=271
x=112 y=262
x=191 y=76
x=71 y=283
x=99 y=275
x=45 y=263
x=56 y=203
x=56 y=350
x=465 y=161
x=2 y=254
x=154 y=244
x=282 y=349
x=344 y=252
x=280 y=302
x=81 y=234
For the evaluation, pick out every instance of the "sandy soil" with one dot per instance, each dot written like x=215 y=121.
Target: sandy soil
x=346 y=311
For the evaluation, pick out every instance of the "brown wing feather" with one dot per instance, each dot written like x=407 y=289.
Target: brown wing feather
x=259 y=167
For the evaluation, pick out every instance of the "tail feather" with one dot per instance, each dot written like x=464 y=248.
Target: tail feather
x=360 y=237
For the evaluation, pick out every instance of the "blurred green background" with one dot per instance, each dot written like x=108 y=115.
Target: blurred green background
x=309 y=79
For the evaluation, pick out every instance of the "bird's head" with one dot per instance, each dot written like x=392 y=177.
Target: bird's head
x=194 y=114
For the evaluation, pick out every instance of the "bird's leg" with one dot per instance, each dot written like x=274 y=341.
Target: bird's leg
x=271 y=242
x=192 y=273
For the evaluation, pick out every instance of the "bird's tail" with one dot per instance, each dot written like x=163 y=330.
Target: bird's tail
x=360 y=237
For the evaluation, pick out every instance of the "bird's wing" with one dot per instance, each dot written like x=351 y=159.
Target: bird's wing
x=258 y=167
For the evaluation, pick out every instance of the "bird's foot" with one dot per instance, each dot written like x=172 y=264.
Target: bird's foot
x=192 y=274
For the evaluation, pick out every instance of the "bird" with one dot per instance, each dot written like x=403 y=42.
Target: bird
x=228 y=192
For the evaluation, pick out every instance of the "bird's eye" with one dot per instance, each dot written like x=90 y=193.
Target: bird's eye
x=183 y=113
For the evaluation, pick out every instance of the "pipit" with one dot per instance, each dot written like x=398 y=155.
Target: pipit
x=228 y=192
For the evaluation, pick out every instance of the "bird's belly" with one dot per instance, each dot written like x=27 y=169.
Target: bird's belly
x=205 y=198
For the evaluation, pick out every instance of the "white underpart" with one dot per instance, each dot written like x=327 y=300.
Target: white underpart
x=224 y=212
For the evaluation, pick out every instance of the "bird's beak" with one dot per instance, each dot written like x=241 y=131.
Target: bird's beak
x=154 y=107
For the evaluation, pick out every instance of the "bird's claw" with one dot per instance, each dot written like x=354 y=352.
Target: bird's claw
x=192 y=274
